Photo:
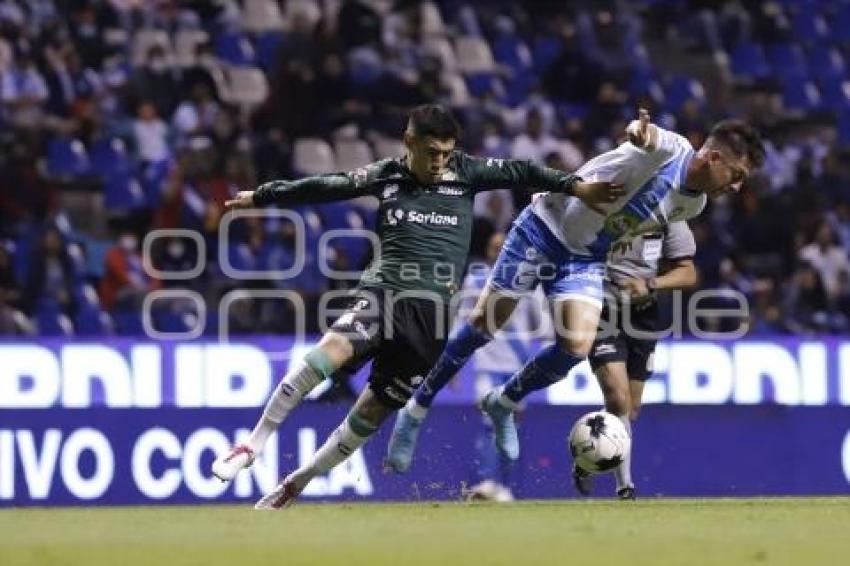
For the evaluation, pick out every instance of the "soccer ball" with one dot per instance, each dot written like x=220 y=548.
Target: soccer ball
x=599 y=442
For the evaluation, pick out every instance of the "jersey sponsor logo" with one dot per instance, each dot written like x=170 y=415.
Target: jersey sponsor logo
x=396 y=215
x=493 y=162
x=603 y=349
x=450 y=191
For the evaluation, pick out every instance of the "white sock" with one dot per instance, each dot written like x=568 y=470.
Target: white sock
x=341 y=443
x=289 y=392
x=416 y=410
x=623 y=472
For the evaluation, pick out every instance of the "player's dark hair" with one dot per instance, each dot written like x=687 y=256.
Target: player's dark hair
x=740 y=138
x=434 y=120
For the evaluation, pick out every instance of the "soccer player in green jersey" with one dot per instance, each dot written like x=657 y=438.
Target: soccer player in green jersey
x=399 y=314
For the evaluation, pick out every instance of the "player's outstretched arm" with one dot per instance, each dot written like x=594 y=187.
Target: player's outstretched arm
x=309 y=190
x=488 y=173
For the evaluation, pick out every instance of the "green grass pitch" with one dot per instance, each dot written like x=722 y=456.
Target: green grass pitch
x=646 y=532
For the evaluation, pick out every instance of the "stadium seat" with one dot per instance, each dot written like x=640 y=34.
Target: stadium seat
x=473 y=55
x=109 y=155
x=186 y=42
x=513 y=52
x=268 y=46
x=680 y=89
x=67 y=158
x=235 y=48
x=122 y=192
x=546 y=50
x=826 y=61
x=442 y=49
x=458 y=93
x=787 y=61
x=147 y=38
x=92 y=321
x=839 y=28
x=388 y=147
x=247 y=86
x=808 y=25
x=748 y=61
x=313 y=156
x=351 y=154
x=483 y=83
x=835 y=93
x=801 y=95
x=260 y=16
x=430 y=19
x=128 y=323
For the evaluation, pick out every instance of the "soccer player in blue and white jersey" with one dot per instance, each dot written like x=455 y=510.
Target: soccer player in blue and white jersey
x=562 y=244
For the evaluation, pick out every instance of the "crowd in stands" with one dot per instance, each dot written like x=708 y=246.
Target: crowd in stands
x=119 y=117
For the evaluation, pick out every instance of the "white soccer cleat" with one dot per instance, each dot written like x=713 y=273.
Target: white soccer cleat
x=283 y=495
x=239 y=457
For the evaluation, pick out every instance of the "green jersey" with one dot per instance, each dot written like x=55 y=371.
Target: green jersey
x=424 y=229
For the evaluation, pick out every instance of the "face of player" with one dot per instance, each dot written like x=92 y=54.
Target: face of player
x=428 y=156
x=724 y=173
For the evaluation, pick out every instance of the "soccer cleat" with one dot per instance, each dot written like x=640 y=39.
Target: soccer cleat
x=489 y=490
x=282 y=496
x=226 y=467
x=582 y=480
x=626 y=494
x=402 y=443
x=504 y=428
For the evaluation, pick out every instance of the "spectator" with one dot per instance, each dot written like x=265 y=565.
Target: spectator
x=125 y=283
x=828 y=258
x=151 y=135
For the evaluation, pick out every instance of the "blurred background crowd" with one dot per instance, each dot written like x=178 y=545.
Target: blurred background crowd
x=118 y=117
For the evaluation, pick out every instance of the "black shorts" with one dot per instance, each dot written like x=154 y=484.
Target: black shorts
x=621 y=345
x=403 y=336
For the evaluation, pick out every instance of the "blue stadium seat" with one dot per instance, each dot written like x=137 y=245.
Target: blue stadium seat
x=826 y=61
x=835 y=92
x=128 y=323
x=480 y=84
x=801 y=95
x=92 y=321
x=122 y=191
x=544 y=53
x=235 y=48
x=808 y=25
x=680 y=89
x=267 y=48
x=839 y=25
x=844 y=129
x=67 y=158
x=109 y=155
x=512 y=51
x=748 y=61
x=787 y=61
x=50 y=319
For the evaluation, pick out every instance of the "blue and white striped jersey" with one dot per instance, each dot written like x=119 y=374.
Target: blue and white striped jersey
x=655 y=196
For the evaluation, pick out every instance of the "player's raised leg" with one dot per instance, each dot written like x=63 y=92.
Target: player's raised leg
x=362 y=421
x=332 y=352
x=614 y=382
x=576 y=318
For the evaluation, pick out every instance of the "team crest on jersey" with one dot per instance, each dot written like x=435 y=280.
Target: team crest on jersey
x=390 y=191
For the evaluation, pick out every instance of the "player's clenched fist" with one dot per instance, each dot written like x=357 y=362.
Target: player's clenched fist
x=642 y=132
x=243 y=199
